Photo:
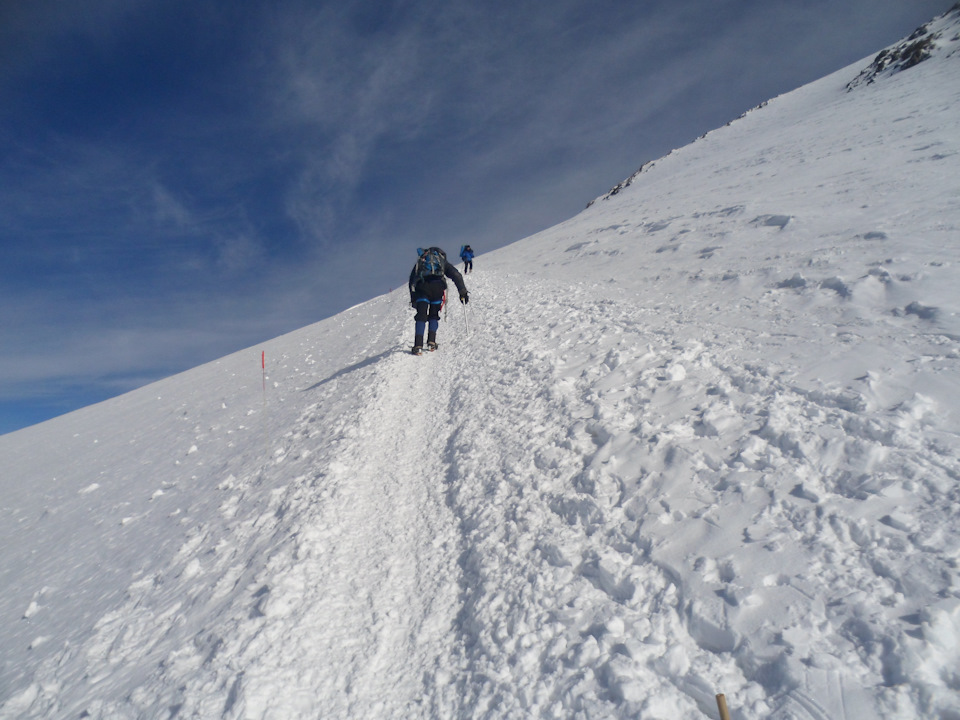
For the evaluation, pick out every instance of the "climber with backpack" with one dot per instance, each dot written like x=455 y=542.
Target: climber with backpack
x=428 y=287
x=466 y=254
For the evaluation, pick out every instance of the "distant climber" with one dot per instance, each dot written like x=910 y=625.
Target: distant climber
x=466 y=254
x=428 y=287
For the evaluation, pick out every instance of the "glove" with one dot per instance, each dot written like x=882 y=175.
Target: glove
x=465 y=298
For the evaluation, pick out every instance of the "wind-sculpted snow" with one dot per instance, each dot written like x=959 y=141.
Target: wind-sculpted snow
x=701 y=438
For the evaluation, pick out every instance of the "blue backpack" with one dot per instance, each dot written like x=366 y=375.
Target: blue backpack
x=431 y=263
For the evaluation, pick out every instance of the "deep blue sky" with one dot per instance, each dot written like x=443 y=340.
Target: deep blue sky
x=180 y=179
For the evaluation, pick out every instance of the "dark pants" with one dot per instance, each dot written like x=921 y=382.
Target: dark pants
x=467 y=265
x=428 y=299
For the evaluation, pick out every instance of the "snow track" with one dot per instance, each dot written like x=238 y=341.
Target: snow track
x=369 y=571
x=377 y=532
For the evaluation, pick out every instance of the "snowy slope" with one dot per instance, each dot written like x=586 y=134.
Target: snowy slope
x=701 y=438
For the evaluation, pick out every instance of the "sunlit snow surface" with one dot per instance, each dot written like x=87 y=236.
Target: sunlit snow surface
x=701 y=438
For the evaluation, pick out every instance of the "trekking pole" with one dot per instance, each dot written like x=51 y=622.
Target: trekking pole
x=466 y=330
x=722 y=707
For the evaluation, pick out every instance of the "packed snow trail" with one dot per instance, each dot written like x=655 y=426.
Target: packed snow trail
x=357 y=582
x=351 y=612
